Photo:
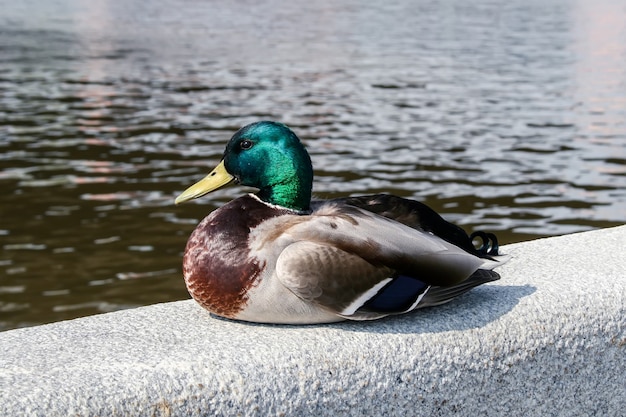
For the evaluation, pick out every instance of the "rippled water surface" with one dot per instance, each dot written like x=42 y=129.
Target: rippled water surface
x=508 y=116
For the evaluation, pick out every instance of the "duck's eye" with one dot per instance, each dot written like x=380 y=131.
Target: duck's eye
x=245 y=144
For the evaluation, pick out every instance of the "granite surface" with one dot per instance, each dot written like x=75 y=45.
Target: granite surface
x=548 y=339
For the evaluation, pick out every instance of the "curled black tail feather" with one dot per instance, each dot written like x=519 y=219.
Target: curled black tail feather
x=489 y=243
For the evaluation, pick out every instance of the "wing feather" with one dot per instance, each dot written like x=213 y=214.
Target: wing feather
x=327 y=275
x=351 y=262
x=386 y=243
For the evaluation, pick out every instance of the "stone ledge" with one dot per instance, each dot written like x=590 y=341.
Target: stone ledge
x=548 y=339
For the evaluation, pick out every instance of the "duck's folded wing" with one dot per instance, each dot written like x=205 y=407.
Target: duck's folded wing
x=337 y=280
x=382 y=242
x=360 y=262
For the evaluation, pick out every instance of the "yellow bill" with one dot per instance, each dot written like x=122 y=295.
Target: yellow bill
x=218 y=178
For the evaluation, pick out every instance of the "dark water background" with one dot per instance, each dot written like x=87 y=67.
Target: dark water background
x=508 y=116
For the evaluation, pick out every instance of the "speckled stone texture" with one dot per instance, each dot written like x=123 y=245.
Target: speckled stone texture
x=548 y=339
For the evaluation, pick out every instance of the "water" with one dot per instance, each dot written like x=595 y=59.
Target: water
x=509 y=117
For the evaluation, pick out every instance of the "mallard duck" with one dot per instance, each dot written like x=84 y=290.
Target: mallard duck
x=277 y=256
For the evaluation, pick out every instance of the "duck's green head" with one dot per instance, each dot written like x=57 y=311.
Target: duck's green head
x=265 y=155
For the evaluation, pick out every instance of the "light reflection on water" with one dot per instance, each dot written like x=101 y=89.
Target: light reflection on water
x=509 y=117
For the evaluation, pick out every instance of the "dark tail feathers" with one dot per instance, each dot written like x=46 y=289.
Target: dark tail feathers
x=441 y=295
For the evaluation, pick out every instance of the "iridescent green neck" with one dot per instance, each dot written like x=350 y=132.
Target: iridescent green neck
x=294 y=195
x=286 y=178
